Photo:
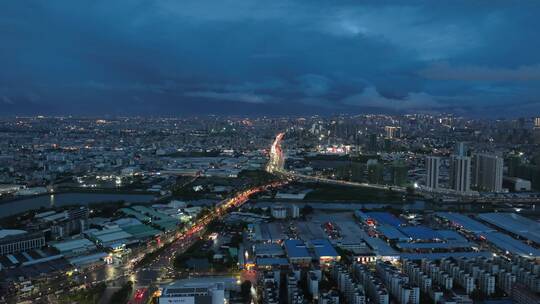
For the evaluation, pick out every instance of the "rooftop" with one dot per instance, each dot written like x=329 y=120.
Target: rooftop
x=323 y=248
x=296 y=249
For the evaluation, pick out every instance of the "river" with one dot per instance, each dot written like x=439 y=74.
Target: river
x=65 y=199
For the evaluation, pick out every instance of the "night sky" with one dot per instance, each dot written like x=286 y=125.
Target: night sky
x=248 y=57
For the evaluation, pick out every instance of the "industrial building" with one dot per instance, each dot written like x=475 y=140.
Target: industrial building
x=297 y=252
x=514 y=224
x=74 y=247
x=324 y=251
x=13 y=241
x=193 y=292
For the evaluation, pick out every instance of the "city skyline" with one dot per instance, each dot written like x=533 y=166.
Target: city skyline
x=354 y=208
x=269 y=152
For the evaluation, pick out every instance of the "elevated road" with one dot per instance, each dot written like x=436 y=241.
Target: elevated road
x=276 y=165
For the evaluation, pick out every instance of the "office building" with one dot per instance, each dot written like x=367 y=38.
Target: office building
x=488 y=172
x=460 y=173
x=433 y=164
x=537 y=122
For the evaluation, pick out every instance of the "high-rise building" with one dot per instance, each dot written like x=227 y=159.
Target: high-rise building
x=375 y=172
x=460 y=173
x=399 y=173
x=461 y=149
x=432 y=171
x=388 y=145
x=488 y=172
x=392 y=132
x=357 y=171
x=372 y=144
x=536 y=131
x=513 y=162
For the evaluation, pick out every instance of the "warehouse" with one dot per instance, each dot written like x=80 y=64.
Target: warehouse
x=324 y=252
x=515 y=224
x=511 y=245
x=297 y=252
x=428 y=247
x=385 y=218
x=464 y=222
x=74 y=247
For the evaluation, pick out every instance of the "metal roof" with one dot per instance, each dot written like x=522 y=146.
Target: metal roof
x=385 y=218
x=73 y=244
x=323 y=248
x=465 y=222
x=434 y=245
x=513 y=246
x=391 y=232
x=420 y=232
x=444 y=255
x=514 y=223
x=296 y=249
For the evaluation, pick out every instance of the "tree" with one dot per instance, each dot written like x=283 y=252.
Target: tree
x=122 y=295
x=306 y=210
x=245 y=289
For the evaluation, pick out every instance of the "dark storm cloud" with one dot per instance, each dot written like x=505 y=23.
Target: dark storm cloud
x=268 y=57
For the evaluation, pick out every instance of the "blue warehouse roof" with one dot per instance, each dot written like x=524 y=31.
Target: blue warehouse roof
x=296 y=249
x=420 y=232
x=386 y=218
x=465 y=222
x=323 y=248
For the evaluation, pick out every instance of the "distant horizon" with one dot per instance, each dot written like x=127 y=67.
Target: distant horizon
x=259 y=116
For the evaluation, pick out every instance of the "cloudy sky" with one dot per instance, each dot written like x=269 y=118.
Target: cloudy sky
x=170 y=57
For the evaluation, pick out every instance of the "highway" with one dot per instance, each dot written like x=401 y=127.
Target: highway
x=145 y=275
x=276 y=165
